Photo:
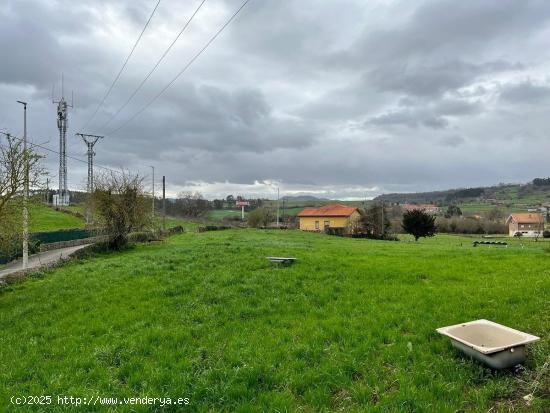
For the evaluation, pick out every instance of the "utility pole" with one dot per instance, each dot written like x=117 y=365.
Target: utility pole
x=47 y=190
x=383 y=231
x=153 y=206
x=25 y=191
x=163 y=202
x=277 y=207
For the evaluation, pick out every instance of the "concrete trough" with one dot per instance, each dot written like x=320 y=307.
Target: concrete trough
x=491 y=343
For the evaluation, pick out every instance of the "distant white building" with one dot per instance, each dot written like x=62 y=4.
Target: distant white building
x=61 y=200
x=429 y=208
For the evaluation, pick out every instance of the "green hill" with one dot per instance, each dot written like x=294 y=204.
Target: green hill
x=43 y=218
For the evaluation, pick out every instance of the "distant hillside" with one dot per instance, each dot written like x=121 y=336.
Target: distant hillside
x=536 y=192
x=304 y=198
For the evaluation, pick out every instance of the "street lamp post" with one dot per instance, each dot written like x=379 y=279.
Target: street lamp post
x=153 y=206
x=25 y=190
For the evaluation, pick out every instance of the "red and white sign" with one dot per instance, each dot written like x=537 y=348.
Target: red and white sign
x=243 y=203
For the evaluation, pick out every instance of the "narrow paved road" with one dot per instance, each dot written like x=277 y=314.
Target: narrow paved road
x=40 y=259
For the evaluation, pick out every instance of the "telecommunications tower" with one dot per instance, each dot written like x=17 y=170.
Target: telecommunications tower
x=62 y=197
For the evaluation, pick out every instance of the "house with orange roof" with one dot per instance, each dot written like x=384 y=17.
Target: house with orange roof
x=329 y=216
x=528 y=224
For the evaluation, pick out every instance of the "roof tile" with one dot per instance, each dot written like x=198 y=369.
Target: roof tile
x=331 y=210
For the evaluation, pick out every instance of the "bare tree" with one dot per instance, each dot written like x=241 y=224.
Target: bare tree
x=13 y=161
x=120 y=206
x=12 y=169
x=192 y=204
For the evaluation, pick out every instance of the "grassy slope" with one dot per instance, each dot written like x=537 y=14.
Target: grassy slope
x=218 y=214
x=350 y=326
x=44 y=218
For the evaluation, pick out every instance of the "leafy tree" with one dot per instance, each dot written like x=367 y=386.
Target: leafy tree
x=453 y=211
x=418 y=223
x=260 y=217
x=121 y=206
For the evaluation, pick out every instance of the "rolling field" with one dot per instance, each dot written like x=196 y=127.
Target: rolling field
x=349 y=327
x=218 y=214
x=43 y=218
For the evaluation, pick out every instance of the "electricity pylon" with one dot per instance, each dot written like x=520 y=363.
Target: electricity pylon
x=90 y=141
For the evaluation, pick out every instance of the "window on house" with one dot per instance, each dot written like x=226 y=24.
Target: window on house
x=316 y=224
x=327 y=224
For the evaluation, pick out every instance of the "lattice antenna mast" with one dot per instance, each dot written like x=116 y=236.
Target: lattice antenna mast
x=62 y=123
x=90 y=141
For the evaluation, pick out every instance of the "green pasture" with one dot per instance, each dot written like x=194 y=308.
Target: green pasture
x=349 y=327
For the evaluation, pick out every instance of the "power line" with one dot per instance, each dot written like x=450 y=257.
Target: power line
x=134 y=93
x=122 y=68
x=73 y=157
x=139 y=112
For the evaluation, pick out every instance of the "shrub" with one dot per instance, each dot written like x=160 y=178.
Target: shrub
x=339 y=232
x=121 y=206
x=546 y=234
x=260 y=217
x=212 y=228
x=386 y=237
x=143 y=236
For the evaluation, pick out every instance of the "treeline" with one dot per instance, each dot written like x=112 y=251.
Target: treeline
x=459 y=225
x=541 y=182
x=378 y=219
x=465 y=194
x=436 y=197
x=194 y=205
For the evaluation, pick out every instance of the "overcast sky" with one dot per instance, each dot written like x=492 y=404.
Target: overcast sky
x=337 y=98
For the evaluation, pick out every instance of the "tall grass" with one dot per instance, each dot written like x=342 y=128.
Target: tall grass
x=349 y=327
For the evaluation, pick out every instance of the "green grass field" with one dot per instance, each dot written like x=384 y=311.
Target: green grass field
x=42 y=218
x=349 y=327
x=218 y=214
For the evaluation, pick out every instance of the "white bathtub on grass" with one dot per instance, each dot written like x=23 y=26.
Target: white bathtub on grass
x=491 y=343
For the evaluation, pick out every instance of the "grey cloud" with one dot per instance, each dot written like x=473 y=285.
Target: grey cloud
x=432 y=80
x=452 y=141
x=525 y=92
x=442 y=29
x=334 y=94
x=432 y=114
x=410 y=119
